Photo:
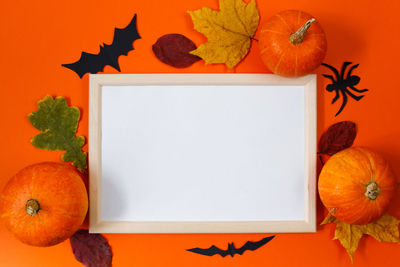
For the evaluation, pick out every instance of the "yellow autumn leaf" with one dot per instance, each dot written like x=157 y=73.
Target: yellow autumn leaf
x=348 y=235
x=229 y=31
x=329 y=219
x=385 y=229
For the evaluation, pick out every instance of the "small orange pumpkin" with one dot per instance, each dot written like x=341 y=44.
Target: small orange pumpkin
x=356 y=185
x=44 y=204
x=292 y=43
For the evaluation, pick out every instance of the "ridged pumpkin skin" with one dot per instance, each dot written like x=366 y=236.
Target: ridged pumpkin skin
x=347 y=185
x=285 y=58
x=62 y=198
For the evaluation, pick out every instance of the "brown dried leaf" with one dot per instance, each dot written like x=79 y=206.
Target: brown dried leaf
x=173 y=49
x=339 y=136
x=92 y=250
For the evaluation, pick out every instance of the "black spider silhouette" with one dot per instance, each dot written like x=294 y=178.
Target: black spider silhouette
x=343 y=85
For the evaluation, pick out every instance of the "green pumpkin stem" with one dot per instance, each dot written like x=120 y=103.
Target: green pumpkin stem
x=298 y=36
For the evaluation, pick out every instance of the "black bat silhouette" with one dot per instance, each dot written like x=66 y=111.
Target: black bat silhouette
x=232 y=250
x=108 y=55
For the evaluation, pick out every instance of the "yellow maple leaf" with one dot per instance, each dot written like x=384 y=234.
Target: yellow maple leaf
x=329 y=219
x=229 y=31
x=385 y=229
x=348 y=235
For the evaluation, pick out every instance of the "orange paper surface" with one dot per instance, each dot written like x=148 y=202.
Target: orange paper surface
x=36 y=37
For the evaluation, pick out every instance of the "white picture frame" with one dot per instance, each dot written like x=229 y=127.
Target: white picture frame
x=221 y=101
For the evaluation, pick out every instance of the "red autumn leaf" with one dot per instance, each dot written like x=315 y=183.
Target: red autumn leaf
x=92 y=250
x=339 y=136
x=173 y=49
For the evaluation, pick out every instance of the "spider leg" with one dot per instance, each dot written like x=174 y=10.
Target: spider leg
x=344 y=66
x=357 y=98
x=333 y=69
x=358 y=90
x=343 y=103
x=336 y=97
x=351 y=70
x=329 y=77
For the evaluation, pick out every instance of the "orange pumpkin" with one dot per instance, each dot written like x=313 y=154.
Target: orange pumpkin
x=356 y=185
x=292 y=43
x=44 y=203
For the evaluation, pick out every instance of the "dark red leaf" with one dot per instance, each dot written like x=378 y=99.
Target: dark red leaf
x=339 y=136
x=92 y=250
x=173 y=49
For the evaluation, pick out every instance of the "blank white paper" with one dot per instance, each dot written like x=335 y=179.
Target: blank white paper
x=202 y=153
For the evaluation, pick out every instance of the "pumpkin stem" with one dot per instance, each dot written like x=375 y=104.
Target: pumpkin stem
x=32 y=207
x=372 y=190
x=297 y=37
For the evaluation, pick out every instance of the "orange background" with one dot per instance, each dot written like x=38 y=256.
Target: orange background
x=36 y=37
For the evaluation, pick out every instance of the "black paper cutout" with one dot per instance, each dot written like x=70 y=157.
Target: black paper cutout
x=108 y=55
x=232 y=250
x=341 y=84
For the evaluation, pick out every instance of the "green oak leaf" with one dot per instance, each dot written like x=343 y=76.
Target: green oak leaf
x=58 y=124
